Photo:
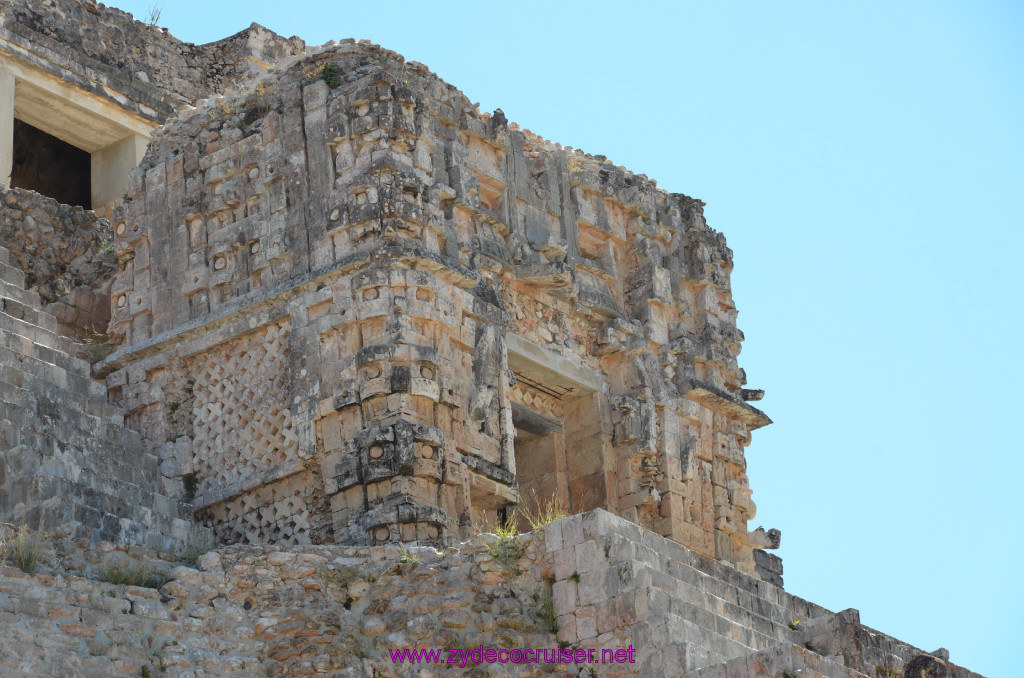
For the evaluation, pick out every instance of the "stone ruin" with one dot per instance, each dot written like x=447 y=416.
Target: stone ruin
x=327 y=301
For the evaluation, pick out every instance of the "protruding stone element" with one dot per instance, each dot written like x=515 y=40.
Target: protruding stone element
x=771 y=539
x=926 y=666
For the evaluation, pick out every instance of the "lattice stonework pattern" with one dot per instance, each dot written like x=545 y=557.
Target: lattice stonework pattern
x=242 y=424
x=277 y=513
x=536 y=400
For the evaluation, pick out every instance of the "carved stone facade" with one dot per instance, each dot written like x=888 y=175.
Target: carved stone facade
x=347 y=308
x=428 y=314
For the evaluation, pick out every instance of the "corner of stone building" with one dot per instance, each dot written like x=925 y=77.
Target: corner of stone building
x=350 y=320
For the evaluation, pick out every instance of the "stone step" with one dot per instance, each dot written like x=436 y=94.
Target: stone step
x=54 y=372
x=756 y=624
x=28 y=372
x=784 y=659
x=62 y=462
x=62 y=388
x=64 y=355
x=10 y=274
x=34 y=395
x=99 y=491
x=23 y=346
x=28 y=313
x=118 y=455
x=19 y=294
x=20 y=398
x=17 y=427
x=118 y=444
x=36 y=335
x=714 y=641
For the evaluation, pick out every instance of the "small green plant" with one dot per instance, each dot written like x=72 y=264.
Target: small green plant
x=409 y=557
x=575 y=577
x=547 y=608
x=542 y=512
x=508 y=552
x=887 y=671
x=131 y=574
x=173 y=407
x=794 y=624
x=190 y=483
x=509 y=548
x=256 y=105
x=106 y=247
x=23 y=549
x=98 y=345
x=508 y=529
x=145 y=672
x=331 y=74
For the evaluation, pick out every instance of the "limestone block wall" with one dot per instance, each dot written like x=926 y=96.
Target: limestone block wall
x=591 y=581
x=100 y=48
x=472 y=315
x=616 y=583
x=67 y=256
x=255 y=611
x=100 y=81
x=65 y=456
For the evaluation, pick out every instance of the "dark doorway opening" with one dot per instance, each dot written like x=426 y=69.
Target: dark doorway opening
x=47 y=165
x=540 y=458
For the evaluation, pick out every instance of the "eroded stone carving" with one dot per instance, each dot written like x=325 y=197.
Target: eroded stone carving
x=404 y=238
x=350 y=308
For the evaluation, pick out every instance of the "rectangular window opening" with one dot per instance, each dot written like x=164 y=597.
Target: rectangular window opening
x=47 y=165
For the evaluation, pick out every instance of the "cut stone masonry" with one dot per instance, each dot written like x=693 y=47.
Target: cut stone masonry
x=427 y=273
x=66 y=455
x=341 y=318
x=67 y=256
x=591 y=581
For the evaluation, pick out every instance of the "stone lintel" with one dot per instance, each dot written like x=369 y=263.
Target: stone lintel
x=524 y=355
x=534 y=422
x=41 y=94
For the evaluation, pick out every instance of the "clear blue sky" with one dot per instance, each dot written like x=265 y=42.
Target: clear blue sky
x=866 y=163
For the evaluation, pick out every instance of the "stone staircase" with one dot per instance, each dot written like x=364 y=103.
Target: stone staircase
x=616 y=584
x=681 y=610
x=715 y=611
x=782 y=660
x=66 y=454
